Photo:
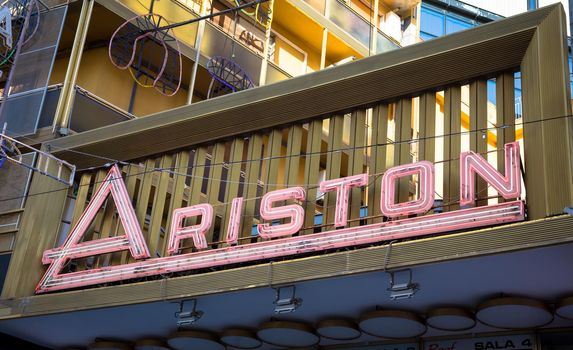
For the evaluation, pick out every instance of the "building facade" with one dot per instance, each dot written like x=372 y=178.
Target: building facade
x=401 y=201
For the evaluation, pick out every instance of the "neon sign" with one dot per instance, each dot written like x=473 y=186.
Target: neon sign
x=278 y=240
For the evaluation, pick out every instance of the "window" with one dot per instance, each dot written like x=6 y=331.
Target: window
x=454 y=24
x=432 y=23
x=437 y=22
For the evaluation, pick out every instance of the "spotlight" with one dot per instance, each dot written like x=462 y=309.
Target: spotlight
x=187 y=318
x=286 y=302
x=401 y=286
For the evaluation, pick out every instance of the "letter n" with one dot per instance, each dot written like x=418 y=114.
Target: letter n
x=508 y=186
x=72 y=248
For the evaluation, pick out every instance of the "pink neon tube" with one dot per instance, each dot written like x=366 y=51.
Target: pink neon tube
x=179 y=231
x=368 y=234
x=294 y=211
x=343 y=187
x=508 y=186
x=388 y=205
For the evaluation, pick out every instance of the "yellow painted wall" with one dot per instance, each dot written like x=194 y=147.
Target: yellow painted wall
x=313 y=63
x=173 y=11
x=98 y=76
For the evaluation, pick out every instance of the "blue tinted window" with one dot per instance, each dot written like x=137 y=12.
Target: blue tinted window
x=491 y=91
x=455 y=25
x=571 y=73
x=432 y=22
x=426 y=36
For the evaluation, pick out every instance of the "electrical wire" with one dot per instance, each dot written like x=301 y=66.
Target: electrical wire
x=279 y=157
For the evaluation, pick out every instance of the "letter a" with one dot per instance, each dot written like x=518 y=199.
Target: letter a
x=72 y=248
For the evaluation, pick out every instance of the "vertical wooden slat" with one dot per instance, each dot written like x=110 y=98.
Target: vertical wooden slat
x=292 y=159
x=177 y=192
x=427 y=142
x=505 y=115
x=478 y=130
x=311 y=172
x=272 y=162
x=144 y=193
x=108 y=217
x=356 y=161
x=234 y=177
x=197 y=175
x=252 y=171
x=378 y=159
x=333 y=165
x=81 y=197
x=452 y=147
x=97 y=221
x=158 y=206
x=402 y=153
x=133 y=173
x=214 y=184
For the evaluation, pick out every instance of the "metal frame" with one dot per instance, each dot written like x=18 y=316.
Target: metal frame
x=533 y=42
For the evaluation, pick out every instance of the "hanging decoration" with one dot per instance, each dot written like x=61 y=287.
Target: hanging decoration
x=151 y=54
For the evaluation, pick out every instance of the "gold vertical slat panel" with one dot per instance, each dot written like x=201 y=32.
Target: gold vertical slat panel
x=105 y=231
x=133 y=172
x=197 y=175
x=427 y=133
x=81 y=197
x=47 y=200
x=98 y=220
x=356 y=161
x=403 y=136
x=272 y=160
x=252 y=172
x=292 y=157
x=144 y=194
x=292 y=160
x=378 y=165
x=214 y=183
x=177 y=192
x=452 y=147
x=158 y=207
x=271 y=164
x=505 y=115
x=548 y=135
x=479 y=130
x=311 y=172
x=234 y=178
x=333 y=166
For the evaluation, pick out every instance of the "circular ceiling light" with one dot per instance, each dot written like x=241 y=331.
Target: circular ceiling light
x=338 y=329
x=109 y=345
x=451 y=319
x=397 y=324
x=514 y=313
x=288 y=334
x=565 y=308
x=151 y=344
x=191 y=339
x=240 y=338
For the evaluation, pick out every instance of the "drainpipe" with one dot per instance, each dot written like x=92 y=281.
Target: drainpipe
x=265 y=63
x=198 y=41
x=66 y=100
